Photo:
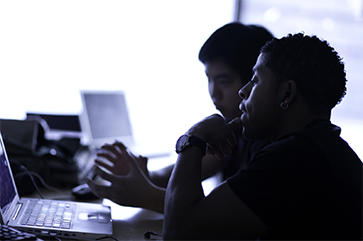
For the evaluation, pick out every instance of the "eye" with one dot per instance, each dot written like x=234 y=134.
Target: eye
x=224 y=81
x=253 y=81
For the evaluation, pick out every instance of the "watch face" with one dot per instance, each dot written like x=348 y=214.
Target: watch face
x=182 y=143
x=187 y=140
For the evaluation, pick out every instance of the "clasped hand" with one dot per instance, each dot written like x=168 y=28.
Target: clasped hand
x=217 y=133
x=127 y=174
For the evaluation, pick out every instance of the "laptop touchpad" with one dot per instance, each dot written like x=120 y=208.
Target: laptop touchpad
x=95 y=217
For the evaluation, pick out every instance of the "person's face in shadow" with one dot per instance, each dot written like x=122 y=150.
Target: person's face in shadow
x=224 y=84
x=260 y=103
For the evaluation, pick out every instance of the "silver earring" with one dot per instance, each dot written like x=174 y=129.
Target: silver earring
x=284 y=107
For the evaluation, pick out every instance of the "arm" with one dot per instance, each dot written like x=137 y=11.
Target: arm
x=220 y=215
x=210 y=167
x=129 y=185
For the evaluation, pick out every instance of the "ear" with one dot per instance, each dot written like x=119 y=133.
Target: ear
x=288 y=92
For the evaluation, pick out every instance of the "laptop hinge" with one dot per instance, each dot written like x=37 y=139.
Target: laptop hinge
x=18 y=207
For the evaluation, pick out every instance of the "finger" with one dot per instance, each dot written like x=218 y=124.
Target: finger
x=142 y=161
x=104 y=175
x=232 y=139
x=120 y=145
x=210 y=150
x=110 y=149
x=134 y=167
x=106 y=146
x=99 y=190
x=235 y=124
x=107 y=156
x=225 y=148
x=103 y=164
x=222 y=148
x=219 y=155
x=217 y=151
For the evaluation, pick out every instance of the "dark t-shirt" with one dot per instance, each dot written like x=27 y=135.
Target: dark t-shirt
x=241 y=154
x=307 y=185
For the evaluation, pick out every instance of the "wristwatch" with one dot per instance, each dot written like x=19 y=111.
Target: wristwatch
x=188 y=140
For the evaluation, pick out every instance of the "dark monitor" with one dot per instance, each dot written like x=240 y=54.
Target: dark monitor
x=58 y=122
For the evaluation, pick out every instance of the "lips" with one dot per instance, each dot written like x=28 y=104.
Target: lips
x=242 y=108
x=218 y=106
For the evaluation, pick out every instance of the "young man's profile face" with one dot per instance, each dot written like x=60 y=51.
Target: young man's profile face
x=224 y=84
x=260 y=103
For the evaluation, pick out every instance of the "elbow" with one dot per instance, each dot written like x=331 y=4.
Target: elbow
x=175 y=235
x=180 y=230
x=167 y=235
x=170 y=231
x=175 y=230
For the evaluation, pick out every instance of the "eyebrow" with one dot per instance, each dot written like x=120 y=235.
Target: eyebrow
x=254 y=69
x=223 y=75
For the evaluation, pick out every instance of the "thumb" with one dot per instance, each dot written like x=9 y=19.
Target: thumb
x=135 y=168
x=235 y=124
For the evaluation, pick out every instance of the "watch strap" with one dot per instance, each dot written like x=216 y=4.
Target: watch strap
x=193 y=141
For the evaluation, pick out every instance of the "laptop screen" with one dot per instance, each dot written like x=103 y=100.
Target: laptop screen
x=7 y=189
x=106 y=117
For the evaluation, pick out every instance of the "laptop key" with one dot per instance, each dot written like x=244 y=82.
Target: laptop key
x=8 y=233
x=66 y=225
x=49 y=214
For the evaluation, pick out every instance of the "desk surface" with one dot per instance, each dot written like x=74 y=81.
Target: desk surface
x=131 y=223
x=128 y=223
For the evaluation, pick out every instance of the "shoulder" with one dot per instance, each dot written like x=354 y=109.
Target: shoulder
x=319 y=140
x=290 y=152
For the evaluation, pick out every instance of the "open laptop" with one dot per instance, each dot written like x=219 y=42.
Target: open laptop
x=49 y=217
x=105 y=119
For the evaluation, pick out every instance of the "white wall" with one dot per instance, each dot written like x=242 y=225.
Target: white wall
x=49 y=50
x=340 y=23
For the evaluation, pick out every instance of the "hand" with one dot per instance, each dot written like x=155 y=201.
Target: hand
x=115 y=154
x=217 y=133
x=130 y=188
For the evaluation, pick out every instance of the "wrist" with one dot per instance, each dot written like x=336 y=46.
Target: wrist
x=188 y=140
x=197 y=133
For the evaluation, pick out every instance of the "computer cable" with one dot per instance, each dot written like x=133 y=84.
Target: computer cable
x=32 y=179
x=148 y=234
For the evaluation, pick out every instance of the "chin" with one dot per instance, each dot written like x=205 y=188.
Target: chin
x=245 y=134
x=231 y=116
x=247 y=137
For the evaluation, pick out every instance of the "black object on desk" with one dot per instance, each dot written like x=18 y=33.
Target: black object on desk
x=83 y=192
x=58 y=122
x=61 y=163
x=9 y=233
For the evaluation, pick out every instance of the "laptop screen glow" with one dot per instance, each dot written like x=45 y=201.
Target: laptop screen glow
x=7 y=190
x=105 y=117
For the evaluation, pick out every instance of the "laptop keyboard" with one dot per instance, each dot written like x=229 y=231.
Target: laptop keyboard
x=9 y=233
x=49 y=214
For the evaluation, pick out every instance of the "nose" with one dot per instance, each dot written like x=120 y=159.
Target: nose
x=214 y=90
x=244 y=91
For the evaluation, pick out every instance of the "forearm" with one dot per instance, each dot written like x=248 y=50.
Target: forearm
x=155 y=200
x=210 y=167
x=161 y=177
x=187 y=210
x=183 y=192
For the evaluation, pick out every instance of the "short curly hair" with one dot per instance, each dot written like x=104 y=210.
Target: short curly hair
x=315 y=66
x=238 y=45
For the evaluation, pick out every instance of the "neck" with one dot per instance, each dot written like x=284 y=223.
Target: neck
x=291 y=120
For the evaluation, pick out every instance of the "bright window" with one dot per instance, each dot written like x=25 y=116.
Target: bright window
x=49 y=50
x=340 y=22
